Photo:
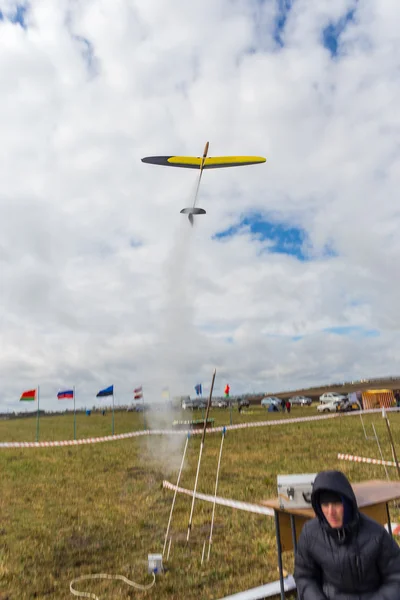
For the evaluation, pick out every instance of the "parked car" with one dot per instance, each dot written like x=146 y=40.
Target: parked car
x=138 y=406
x=300 y=401
x=243 y=403
x=193 y=404
x=330 y=396
x=332 y=406
x=268 y=400
x=219 y=403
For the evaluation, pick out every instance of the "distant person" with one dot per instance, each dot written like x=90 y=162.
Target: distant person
x=343 y=554
x=283 y=405
x=288 y=406
x=397 y=397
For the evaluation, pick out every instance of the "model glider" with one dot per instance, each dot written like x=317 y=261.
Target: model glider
x=201 y=163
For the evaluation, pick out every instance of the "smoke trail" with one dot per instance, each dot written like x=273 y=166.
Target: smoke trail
x=178 y=341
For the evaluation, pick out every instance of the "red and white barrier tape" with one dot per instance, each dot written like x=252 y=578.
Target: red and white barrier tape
x=363 y=459
x=80 y=442
x=247 y=506
x=124 y=436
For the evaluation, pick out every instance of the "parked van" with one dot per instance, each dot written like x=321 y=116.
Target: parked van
x=331 y=396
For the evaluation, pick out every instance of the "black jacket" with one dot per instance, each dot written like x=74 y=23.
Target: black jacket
x=358 y=562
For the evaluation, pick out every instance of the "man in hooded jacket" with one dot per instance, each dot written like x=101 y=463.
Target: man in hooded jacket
x=343 y=554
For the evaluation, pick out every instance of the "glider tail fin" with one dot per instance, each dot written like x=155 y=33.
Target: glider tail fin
x=191 y=211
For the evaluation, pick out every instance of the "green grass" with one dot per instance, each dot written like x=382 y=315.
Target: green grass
x=66 y=512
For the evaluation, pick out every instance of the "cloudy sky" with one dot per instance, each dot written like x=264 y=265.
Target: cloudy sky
x=290 y=279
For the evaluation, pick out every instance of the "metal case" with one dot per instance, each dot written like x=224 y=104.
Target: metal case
x=294 y=491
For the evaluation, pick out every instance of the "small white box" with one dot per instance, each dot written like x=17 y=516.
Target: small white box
x=294 y=491
x=155 y=563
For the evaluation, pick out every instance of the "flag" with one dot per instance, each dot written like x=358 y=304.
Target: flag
x=227 y=390
x=65 y=394
x=137 y=393
x=106 y=392
x=28 y=396
x=198 y=389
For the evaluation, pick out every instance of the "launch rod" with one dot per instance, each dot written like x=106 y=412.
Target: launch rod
x=215 y=493
x=200 y=454
x=173 y=501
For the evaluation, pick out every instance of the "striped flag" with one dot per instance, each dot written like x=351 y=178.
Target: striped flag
x=138 y=393
x=28 y=396
x=65 y=394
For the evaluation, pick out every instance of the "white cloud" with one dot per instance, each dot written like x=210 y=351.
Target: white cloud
x=102 y=281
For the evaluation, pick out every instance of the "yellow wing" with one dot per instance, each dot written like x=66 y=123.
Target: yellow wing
x=194 y=162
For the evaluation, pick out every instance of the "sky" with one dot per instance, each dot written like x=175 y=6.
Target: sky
x=289 y=280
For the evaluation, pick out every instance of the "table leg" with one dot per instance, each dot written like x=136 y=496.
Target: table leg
x=294 y=538
x=388 y=520
x=279 y=549
x=293 y=528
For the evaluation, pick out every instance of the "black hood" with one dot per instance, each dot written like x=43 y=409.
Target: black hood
x=335 y=481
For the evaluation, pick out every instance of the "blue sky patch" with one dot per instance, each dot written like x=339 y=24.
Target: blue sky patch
x=284 y=7
x=285 y=238
x=19 y=16
x=331 y=33
x=353 y=330
x=87 y=51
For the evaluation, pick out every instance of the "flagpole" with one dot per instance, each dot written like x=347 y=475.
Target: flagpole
x=112 y=428
x=37 y=416
x=74 y=414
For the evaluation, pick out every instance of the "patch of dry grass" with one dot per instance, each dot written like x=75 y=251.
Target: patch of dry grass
x=66 y=512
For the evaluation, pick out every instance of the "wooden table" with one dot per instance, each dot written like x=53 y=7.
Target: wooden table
x=372 y=497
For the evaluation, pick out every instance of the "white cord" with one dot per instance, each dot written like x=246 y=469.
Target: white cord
x=105 y=576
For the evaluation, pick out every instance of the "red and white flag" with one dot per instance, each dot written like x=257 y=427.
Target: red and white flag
x=138 y=393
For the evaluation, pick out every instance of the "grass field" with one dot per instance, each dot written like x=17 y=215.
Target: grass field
x=66 y=512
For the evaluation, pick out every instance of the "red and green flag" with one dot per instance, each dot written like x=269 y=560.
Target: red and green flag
x=28 y=396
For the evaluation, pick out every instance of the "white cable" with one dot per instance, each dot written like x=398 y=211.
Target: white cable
x=138 y=586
